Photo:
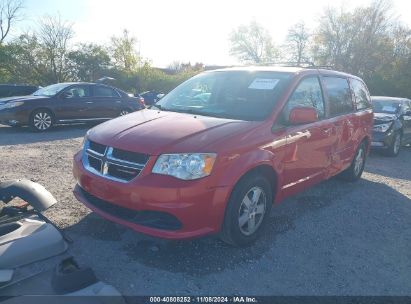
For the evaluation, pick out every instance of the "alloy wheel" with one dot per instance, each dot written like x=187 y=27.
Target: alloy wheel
x=42 y=121
x=252 y=210
x=359 y=161
x=397 y=143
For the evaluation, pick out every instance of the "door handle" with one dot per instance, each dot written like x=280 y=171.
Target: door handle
x=89 y=102
x=117 y=101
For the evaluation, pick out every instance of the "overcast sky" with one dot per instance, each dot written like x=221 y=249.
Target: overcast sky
x=185 y=30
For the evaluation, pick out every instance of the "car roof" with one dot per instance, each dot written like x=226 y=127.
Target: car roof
x=288 y=69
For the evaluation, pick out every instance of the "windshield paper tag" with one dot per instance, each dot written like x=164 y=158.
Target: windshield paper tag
x=263 y=84
x=389 y=109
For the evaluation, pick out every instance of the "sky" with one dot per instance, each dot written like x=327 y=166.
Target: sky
x=184 y=30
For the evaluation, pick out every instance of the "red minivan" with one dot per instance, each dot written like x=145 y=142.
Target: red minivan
x=217 y=152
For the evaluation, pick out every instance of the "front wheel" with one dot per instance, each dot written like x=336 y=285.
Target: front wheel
x=247 y=211
x=354 y=171
x=395 y=146
x=41 y=120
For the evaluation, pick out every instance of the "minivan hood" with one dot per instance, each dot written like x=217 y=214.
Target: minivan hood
x=380 y=118
x=21 y=98
x=156 y=132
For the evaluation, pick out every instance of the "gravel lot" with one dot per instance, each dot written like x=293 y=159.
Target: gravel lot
x=334 y=239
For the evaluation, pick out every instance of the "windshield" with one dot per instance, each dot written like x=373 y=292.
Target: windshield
x=240 y=95
x=51 y=90
x=386 y=106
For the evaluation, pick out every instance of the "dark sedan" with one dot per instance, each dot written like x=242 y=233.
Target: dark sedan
x=392 y=124
x=65 y=103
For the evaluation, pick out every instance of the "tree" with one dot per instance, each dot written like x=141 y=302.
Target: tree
x=54 y=35
x=25 y=61
x=9 y=14
x=252 y=44
x=88 y=62
x=297 y=42
x=124 y=52
x=357 y=42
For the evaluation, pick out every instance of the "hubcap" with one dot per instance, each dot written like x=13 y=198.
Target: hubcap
x=397 y=143
x=123 y=112
x=42 y=121
x=252 y=210
x=359 y=161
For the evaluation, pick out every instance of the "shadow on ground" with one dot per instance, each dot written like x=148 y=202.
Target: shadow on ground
x=209 y=255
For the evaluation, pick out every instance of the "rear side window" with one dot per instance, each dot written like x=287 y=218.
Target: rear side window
x=100 y=91
x=79 y=91
x=307 y=94
x=339 y=95
x=362 y=98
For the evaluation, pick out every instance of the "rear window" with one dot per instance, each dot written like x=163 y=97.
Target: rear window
x=244 y=95
x=362 y=98
x=339 y=95
x=386 y=106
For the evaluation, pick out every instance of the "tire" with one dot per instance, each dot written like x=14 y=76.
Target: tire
x=354 y=171
x=41 y=120
x=238 y=228
x=124 y=112
x=394 y=149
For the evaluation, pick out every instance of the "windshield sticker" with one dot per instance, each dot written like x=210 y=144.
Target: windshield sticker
x=389 y=109
x=263 y=84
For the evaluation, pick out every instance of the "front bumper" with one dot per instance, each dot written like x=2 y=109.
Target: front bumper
x=381 y=141
x=157 y=205
x=12 y=117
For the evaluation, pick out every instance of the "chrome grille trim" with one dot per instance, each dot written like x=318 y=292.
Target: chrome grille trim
x=106 y=160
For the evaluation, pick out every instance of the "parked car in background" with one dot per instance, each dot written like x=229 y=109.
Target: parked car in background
x=65 y=103
x=195 y=165
x=151 y=97
x=392 y=124
x=9 y=90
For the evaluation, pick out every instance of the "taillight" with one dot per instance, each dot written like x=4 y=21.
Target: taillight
x=141 y=100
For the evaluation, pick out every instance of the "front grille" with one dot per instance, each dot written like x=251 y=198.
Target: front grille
x=153 y=219
x=99 y=148
x=113 y=163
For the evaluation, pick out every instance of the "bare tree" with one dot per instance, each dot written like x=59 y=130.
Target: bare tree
x=55 y=35
x=9 y=14
x=297 y=41
x=252 y=44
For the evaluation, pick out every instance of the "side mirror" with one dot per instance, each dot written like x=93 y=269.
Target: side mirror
x=302 y=115
x=66 y=94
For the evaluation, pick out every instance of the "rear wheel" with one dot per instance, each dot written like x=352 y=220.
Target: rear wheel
x=124 y=112
x=247 y=211
x=41 y=120
x=395 y=146
x=354 y=171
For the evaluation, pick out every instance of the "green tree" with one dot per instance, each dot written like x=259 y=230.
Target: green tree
x=88 y=62
x=252 y=44
x=124 y=52
x=357 y=42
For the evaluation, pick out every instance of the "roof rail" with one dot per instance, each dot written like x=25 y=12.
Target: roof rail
x=301 y=64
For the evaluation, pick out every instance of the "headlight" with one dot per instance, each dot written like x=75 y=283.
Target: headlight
x=185 y=166
x=10 y=105
x=382 y=127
